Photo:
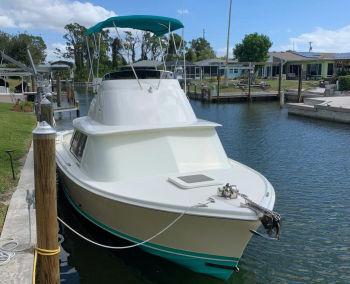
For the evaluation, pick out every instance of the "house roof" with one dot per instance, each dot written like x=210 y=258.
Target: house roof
x=179 y=62
x=214 y=62
x=307 y=56
x=147 y=63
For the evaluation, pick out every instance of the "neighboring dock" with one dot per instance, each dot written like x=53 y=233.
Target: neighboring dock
x=210 y=96
x=326 y=108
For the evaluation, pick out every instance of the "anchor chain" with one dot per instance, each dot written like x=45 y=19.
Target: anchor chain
x=270 y=219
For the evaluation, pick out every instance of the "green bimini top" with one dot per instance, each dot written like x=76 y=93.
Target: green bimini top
x=155 y=24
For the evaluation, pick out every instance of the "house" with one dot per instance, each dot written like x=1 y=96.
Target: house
x=176 y=66
x=315 y=65
x=145 y=64
x=217 y=67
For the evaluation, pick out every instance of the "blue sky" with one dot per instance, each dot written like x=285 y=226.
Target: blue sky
x=325 y=23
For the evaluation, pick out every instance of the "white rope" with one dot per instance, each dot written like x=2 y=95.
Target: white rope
x=9 y=246
x=143 y=242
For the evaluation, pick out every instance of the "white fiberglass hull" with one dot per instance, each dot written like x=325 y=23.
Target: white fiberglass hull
x=206 y=245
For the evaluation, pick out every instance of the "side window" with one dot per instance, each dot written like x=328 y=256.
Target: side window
x=77 y=144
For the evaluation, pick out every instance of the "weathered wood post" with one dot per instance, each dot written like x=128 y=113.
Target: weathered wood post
x=46 y=111
x=37 y=100
x=78 y=108
x=58 y=87
x=249 y=83
x=300 y=83
x=33 y=83
x=218 y=92
x=46 y=203
x=280 y=95
x=209 y=94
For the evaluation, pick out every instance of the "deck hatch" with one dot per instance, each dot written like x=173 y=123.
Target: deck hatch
x=195 y=178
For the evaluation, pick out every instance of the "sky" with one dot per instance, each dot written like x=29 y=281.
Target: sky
x=288 y=23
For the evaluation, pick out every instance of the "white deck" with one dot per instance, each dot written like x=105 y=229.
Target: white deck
x=157 y=192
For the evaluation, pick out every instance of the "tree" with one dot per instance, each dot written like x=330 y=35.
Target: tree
x=117 y=57
x=16 y=47
x=175 y=45
x=254 y=48
x=201 y=49
x=75 y=47
x=130 y=43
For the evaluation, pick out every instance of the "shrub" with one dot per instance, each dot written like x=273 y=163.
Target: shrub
x=344 y=83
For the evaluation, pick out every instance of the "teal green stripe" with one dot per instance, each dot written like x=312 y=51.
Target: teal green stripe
x=150 y=245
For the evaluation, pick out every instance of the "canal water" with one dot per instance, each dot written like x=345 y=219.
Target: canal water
x=307 y=161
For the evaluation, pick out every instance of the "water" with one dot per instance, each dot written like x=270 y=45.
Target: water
x=307 y=161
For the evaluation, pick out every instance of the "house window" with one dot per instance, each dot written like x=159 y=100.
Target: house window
x=330 y=70
x=314 y=69
x=235 y=71
x=77 y=144
x=231 y=71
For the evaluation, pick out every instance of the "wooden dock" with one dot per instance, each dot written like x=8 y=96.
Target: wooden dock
x=232 y=97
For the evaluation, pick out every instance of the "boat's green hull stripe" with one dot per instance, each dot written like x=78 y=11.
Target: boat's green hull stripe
x=193 y=260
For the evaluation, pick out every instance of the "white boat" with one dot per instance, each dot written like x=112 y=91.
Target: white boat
x=143 y=167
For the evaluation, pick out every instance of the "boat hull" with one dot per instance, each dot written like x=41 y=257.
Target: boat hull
x=207 y=245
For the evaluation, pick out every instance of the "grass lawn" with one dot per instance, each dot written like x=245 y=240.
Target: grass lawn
x=15 y=134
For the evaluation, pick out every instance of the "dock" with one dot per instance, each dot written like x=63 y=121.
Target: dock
x=326 y=108
x=233 y=97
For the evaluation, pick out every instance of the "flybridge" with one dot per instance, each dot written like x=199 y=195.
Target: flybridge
x=157 y=25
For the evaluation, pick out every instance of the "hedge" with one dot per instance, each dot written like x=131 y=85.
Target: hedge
x=344 y=83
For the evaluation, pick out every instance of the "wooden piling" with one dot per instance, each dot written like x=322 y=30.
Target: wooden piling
x=78 y=108
x=58 y=87
x=300 y=83
x=280 y=95
x=33 y=83
x=46 y=203
x=46 y=111
x=209 y=94
x=218 y=92
x=249 y=83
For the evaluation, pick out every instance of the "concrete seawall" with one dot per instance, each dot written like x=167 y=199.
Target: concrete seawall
x=19 y=269
x=326 y=108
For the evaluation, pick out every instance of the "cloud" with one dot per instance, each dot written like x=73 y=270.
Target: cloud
x=51 y=51
x=183 y=11
x=323 y=40
x=49 y=14
x=6 y=22
x=222 y=51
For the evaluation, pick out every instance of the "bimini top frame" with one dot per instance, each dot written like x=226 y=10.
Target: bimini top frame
x=155 y=24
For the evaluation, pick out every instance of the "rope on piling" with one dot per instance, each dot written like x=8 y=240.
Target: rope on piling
x=44 y=252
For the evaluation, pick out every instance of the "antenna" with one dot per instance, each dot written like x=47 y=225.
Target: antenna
x=310 y=48
x=228 y=40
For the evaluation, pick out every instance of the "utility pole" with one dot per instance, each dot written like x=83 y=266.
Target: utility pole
x=310 y=48
x=228 y=41
x=203 y=33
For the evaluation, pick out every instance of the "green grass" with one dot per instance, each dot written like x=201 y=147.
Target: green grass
x=15 y=134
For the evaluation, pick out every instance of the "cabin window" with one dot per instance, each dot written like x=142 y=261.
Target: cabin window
x=77 y=144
